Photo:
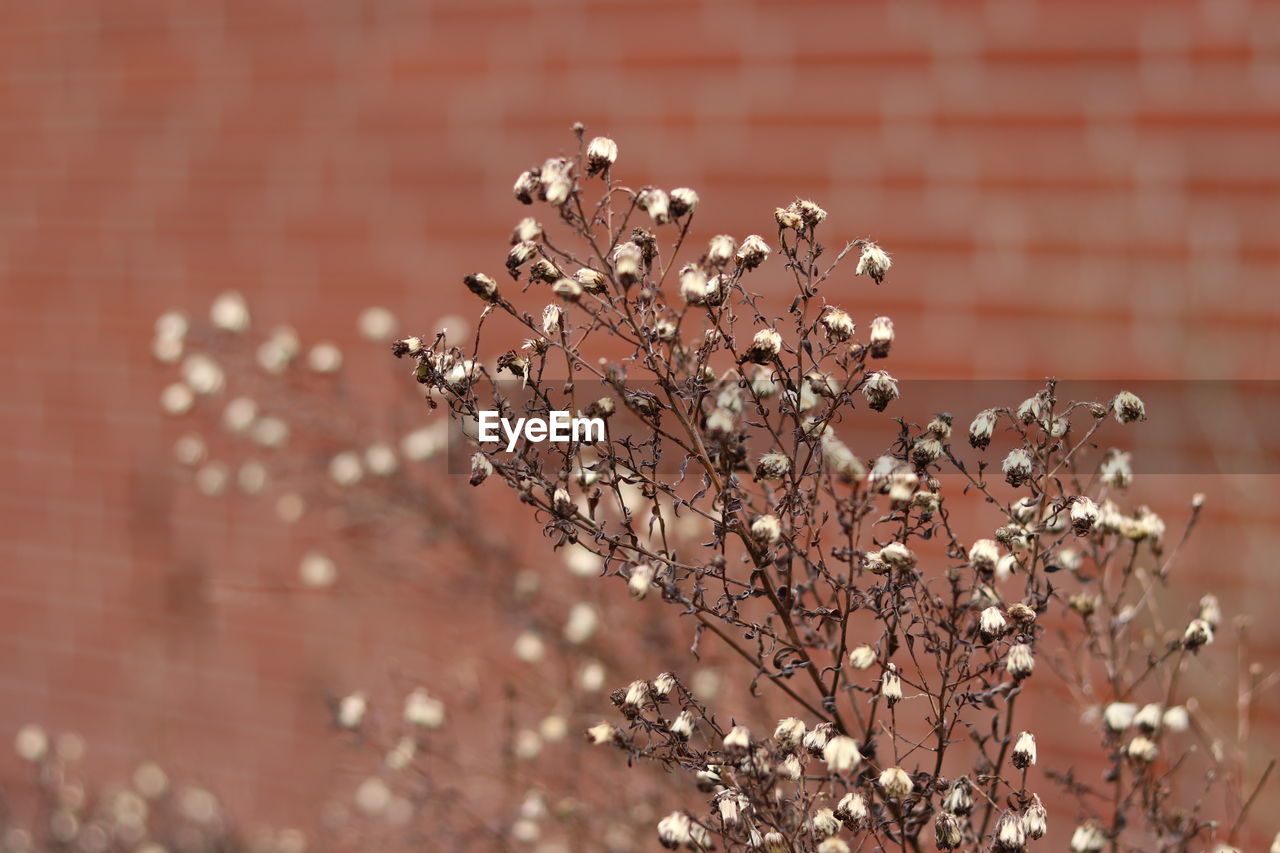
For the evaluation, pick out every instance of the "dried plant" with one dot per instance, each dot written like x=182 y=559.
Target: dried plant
x=841 y=582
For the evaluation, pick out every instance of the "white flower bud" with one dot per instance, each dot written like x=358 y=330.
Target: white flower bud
x=641 y=579
x=602 y=152
x=838 y=325
x=789 y=732
x=1024 y=751
x=1141 y=750
x=841 y=754
x=992 y=623
x=1020 y=662
x=1128 y=408
x=753 y=252
x=1035 y=820
x=874 y=262
x=895 y=783
x=862 y=657
x=683 y=200
x=1017 y=466
x=880 y=389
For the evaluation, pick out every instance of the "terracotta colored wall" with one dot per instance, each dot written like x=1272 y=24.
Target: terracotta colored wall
x=1085 y=189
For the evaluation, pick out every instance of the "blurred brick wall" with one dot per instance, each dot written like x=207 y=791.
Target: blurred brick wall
x=1085 y=189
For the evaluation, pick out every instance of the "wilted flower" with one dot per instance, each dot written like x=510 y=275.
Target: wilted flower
x=881 y=339
x=959 y=798
x=1116 y=469
x=657 y=204
x=693 y=285
x=891 y=685
x=481 y=285
x=626 y=263
x=773 y=466
x=682 y=726
x=1035 y=819
x=602 y=152
x=753 y=252
x=1010 y=836
x=1017 y=466
x=683 y=200
x=874 y=262
x=1210 y=611
x=992 y=623
x=1084 y=514
x=948 y=833
x=815 y=740
x=880 y=390
x=789 y=732
x=481 y=468
x=721 y=249
x=765 y=347
x=851 y=808
x=982 y=428
x=1024 y=751
x=1128 y=408
x=1020 y=661
x=838 y=325
x=833 y=844
x=895 y=783
x=1118 y=716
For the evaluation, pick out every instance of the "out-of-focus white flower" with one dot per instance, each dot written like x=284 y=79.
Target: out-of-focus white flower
x=345 y=468
x=202 y=374
x=31 y=743
x=317 y=570
x=862 y=657
x=190 y=450
x=1118 y=716
x=212 y=479
x=230 y=312
x=373 y=796
x=529 y=647
x=1128 y=408
x=591 y=677
x=177 y=399
x=381 y=460
x=737 y=741
x=324 y=358
x=895 y=783
x=377 y=324
x=351 y=709
x=841 y=754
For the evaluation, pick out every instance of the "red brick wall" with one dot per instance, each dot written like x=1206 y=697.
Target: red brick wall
x=1084 y=189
